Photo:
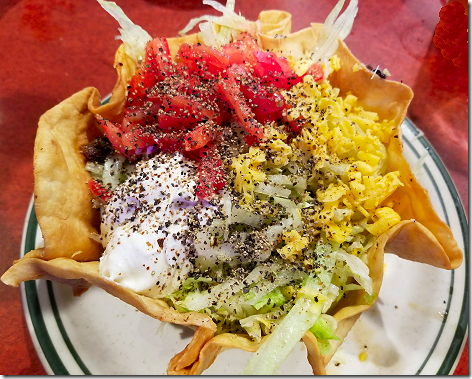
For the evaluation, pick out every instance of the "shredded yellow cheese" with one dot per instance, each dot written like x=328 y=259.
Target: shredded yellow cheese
x=294 y=245
x=347 y=147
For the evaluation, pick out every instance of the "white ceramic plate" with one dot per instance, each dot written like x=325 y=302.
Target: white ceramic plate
x=418 y=325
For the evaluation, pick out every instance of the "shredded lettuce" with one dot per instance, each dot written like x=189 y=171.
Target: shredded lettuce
x=271 y=190
x=134 y=37
x=112 y=170
x=228 y=21
x=273 y=297
x=289 y=331
x=264 y=287
x=95 y=169
x=334 y=28
x=221 y=293
x=324 y=326
x=257 y=324
x=323 y=331
x=359 y=270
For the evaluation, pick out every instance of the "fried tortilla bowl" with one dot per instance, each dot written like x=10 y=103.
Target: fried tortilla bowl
x=63 y=202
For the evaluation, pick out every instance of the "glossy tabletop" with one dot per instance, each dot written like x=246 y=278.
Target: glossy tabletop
x=50 y=49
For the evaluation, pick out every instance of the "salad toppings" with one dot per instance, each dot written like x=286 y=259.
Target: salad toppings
x=254 y=189
x=243 y=185
x=149 y=214
x=182 y=103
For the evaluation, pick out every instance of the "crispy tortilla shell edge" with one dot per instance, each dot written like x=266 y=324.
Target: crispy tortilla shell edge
x=59 y=175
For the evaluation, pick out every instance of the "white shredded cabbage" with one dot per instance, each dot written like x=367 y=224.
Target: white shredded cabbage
x=95 y=169
x=334 y=28
x=289 y=331
x=281 y=180
x=274 y=231
x=271 y=190
x=228 y=19
x=243 y=216
x=287 y=203
x=359 y=270
x=220 y=293
x=226 y=209
x=112 y=170
x=134 y=37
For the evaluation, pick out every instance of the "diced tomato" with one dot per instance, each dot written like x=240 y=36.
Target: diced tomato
x=251 y=140
x=241 y=50
x=275 y=70
x=158 y=58
x=157 y=101
x=203 y=60
x=232 y=97
x=180 y=112
x=99 y=191
x=128 y=142
x=170 y=142
x=211 y=174
x=134 y=116
x=137 y=139
x=316 y=71
x=263 y=102
x=156 y=66
x=184 y=105
x=114 y=133
x=200 y=137
x=296 y=125
x=137 y=87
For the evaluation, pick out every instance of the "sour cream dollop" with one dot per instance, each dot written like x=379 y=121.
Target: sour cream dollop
x=145 y=226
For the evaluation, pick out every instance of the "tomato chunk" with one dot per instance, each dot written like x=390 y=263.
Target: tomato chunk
x=200 y=137
x=137 y=140
x=137 y=87
x=180 y=112
x=99 y=191
x=316 y=71
x=158 y=58
x=241 y=50
x=114 y=133
x=231 y=96
x=264 y=102
x=129 y=142
x=275 y=70
x=156 y=66
x=170 y=142
x=203 y=60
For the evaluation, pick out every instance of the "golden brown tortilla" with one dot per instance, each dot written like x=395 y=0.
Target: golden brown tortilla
x=59 y=177
x=66 y=217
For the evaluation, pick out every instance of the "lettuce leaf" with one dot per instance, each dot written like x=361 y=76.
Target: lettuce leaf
x=134 y=37
x=290 y=330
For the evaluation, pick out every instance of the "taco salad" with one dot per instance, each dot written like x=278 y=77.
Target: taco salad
x=244 y=181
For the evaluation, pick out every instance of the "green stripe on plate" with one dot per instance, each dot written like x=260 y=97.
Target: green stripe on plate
x=64 y=334
x=34 y=308
x=461 y=330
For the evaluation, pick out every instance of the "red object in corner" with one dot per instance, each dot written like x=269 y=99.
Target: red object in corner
x=451 y=33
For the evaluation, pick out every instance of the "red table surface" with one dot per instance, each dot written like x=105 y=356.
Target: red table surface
x=51 y=49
